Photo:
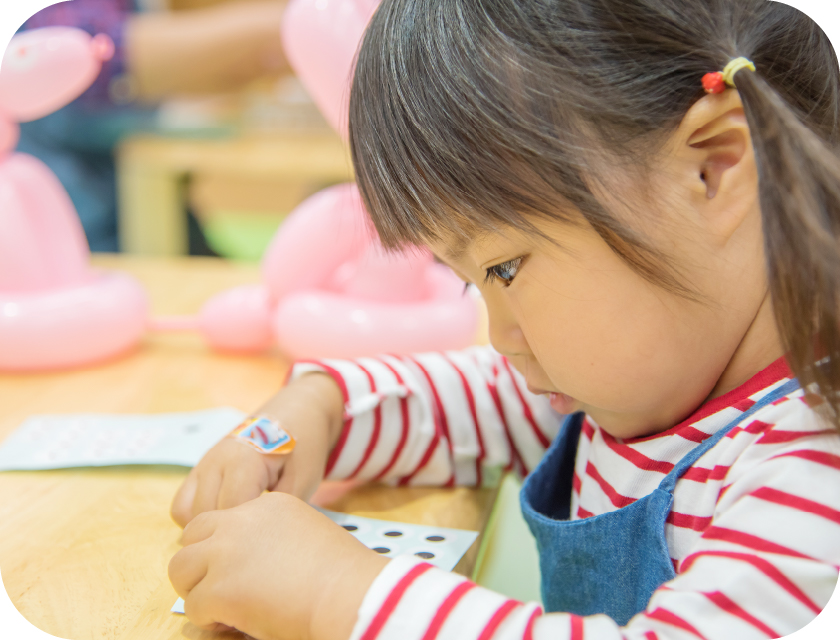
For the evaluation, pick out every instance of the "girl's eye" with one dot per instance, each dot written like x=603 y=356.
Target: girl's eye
x=505 y=272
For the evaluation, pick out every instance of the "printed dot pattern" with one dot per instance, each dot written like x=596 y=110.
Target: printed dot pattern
x=440 y=547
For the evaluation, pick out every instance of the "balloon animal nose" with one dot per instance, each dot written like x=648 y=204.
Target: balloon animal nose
x=102 y=47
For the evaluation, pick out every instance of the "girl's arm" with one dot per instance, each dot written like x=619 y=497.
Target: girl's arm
x=435 y=419
x=765 y=566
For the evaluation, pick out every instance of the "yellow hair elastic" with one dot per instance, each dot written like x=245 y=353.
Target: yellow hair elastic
x=718 y=81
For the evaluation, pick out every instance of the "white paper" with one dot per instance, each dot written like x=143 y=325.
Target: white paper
x=98 y=440
x=438 y=546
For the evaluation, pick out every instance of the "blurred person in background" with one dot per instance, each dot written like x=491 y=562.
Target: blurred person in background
x=208 y=50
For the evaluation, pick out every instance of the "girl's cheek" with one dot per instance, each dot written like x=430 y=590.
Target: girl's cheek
x=550 y=316
x=587 y=326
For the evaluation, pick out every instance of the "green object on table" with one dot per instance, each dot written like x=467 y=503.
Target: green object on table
x=240 y=235
x=508 y=561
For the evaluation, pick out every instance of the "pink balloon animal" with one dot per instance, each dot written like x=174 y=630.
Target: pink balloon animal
x=55 y=311
x=329 y=289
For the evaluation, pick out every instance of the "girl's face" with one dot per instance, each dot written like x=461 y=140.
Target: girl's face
x=586 y=329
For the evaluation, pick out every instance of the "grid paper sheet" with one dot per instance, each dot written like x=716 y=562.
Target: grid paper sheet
x=99 y=440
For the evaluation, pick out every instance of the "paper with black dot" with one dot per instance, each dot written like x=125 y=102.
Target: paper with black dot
x=438 y=546
x=99 y=440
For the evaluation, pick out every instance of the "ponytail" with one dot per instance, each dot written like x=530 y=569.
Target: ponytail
x=799 y=191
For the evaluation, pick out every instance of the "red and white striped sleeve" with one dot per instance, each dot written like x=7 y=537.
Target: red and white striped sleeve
x=435 y=418
x=411 y=600
x=767 y=562
x=765 y=566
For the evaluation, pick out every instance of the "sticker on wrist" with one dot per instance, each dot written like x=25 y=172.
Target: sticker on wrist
x=265 y=435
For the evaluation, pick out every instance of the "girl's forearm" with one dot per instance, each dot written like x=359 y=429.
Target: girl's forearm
x=314 y=392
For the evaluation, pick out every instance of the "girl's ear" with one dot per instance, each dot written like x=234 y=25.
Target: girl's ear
x=716 y=143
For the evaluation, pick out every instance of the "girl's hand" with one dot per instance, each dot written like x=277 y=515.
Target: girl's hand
x=273 y=568
x=311 y=409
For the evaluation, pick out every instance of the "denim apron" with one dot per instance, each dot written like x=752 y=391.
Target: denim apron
x=613 y=562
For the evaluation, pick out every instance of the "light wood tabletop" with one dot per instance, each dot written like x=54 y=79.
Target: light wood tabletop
x=83 y=552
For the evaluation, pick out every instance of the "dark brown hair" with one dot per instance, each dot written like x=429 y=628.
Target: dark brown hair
x=473 y=115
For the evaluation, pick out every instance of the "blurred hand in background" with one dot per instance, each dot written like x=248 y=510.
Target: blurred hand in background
x=211 y=50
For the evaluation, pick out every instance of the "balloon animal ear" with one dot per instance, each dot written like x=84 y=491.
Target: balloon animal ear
x=321 y=38
x=44 y=69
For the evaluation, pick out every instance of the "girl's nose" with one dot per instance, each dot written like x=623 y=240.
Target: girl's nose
x=505 y=333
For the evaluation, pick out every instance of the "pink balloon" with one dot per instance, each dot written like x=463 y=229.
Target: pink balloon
x=55 y=312
x=338 y=294
x=332 y=291
x=45 y=69
x=238 y=320
x=42 y=244
x=382 y=277
x=321 y=38
x=72 y=326
x=323 y=324
x=9 y=136
x=321 y=235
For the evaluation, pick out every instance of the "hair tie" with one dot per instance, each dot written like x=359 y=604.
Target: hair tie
x=717 y=82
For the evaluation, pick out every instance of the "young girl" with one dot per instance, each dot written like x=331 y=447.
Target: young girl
x=657 y=245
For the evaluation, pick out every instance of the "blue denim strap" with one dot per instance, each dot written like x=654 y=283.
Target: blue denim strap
x=669 y=482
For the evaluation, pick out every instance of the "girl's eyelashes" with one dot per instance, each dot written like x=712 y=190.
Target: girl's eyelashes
x=505 y=272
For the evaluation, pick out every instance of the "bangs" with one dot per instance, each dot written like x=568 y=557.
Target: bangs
x=472 y=116
x=449 y=132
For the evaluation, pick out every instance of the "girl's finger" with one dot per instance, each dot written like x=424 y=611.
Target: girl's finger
x=207 y=491
x=200 y=528
x=181 y=510
x=286 y=483
x=199 y=608
x=241 y=484
x=298 y=480
x=187 y=568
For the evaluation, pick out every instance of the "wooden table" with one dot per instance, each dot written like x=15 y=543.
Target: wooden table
x=152 y=172
x=84 y=552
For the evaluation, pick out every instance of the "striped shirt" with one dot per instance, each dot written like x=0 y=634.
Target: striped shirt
x=754 y=532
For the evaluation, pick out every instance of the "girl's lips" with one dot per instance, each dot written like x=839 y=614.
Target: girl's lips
x=561 y=403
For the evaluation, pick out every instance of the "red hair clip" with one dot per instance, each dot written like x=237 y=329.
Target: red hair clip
x=714 y=82
x=718 y=81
